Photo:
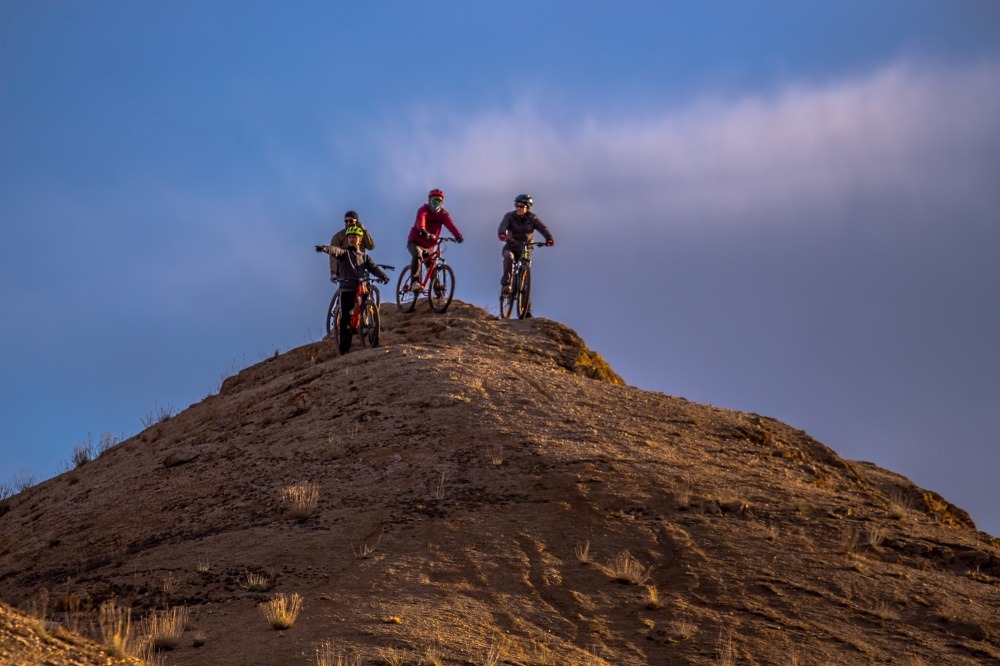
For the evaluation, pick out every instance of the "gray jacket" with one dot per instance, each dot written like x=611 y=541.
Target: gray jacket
x=352 y=266
x=522 y=228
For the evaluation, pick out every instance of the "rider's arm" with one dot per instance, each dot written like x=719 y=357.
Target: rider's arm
x=540 y=226
x=450 y=225
x=373 y=268
x=367 y=240
x=504 y=226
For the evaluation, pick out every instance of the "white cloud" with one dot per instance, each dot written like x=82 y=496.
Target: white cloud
x=903 y=132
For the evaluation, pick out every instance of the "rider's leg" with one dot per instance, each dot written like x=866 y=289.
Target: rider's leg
x=346 y=307
x=416 y=253
x=508 y=265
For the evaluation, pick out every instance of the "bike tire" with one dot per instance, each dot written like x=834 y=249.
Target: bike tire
x=333 y=319
x=506 y=303
x=441 y=288
x=524 y=292
x=406 y=300
x=507 y=300
x=369 y=324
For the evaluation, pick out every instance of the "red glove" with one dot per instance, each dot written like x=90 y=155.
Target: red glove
x=550 y=243
x=503 y=237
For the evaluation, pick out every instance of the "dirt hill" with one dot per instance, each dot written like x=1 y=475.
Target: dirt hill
x=490 y=492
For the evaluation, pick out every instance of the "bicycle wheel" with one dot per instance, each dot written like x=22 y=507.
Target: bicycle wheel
x=369 y=324
x=507 y=300
x=524 y=292
x=406 y=300
x=333 y=319
x=441 y=288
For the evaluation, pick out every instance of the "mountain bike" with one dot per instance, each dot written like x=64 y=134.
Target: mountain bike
x=520 y=285
x=365 y=320
x=436 y=279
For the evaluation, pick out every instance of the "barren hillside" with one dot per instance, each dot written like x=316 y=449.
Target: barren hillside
x=490 y=492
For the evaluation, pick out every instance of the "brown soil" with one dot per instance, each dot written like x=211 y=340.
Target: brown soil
x=482 y=484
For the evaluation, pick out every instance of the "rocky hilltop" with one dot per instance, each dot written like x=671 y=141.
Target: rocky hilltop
x=490 y=492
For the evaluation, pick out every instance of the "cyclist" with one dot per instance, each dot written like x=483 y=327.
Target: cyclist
x=426 y=231
x=340 y=238
x=516 y=230
x=352 y=265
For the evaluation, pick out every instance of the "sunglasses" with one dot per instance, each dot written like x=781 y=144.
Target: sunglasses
x=520 y=205
x=350 y=220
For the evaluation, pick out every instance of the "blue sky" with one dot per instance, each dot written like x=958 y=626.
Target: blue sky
x=788 y=208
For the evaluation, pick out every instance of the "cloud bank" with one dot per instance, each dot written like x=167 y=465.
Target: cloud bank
x=904 y=132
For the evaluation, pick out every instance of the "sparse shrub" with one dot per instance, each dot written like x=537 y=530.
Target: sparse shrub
x=257 y=582
x=624 y=568
x=875 y=537
x=366 y=550
x=23 y=480
x=115 y=623
x=326 y=655
x=392 y=656
x=5 y=491
x=165 y=628
x=282 y=611
x=202 y=566
x=38 y=612
x=495 y=454
x=653 y=601
x=83 y=453
x=683 y=629
x=198 y=638
x=582 y=552
x=432 y=657
x=158 y=414
x=107 y=441
x=301 y=499
x=439 y=487
x=725 y=651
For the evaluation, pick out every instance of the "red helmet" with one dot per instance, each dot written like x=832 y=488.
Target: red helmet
x=435 y=193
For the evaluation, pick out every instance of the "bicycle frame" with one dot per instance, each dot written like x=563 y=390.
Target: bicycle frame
x=520 y=268
x=432 y=260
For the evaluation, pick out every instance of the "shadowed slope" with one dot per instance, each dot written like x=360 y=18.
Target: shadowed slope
x=484 y=486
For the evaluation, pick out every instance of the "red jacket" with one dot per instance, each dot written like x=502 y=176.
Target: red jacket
x=431 y=222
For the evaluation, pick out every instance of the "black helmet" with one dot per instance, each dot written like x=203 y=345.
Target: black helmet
x=351 y=215
x=525 y=199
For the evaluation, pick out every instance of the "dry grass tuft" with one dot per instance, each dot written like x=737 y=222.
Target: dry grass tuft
x=326 y=655
x=582 y=552
x=301 y=499
x=653 y=601
x=725 y=651
x=392 y=656
x=165 y=628
x=115 y=623
x=257 y=582
x=495 y=454
x=282 y=611
x=624 y=568
x=875 y=537
x=683 y=629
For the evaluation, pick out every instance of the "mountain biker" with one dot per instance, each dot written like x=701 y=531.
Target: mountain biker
x=517 y=229
x=426 y=231
x=340 y=238
x=352 y=265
